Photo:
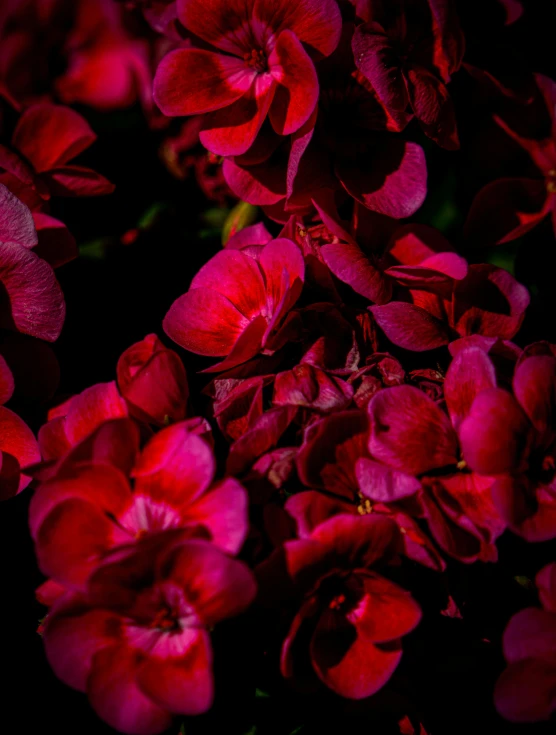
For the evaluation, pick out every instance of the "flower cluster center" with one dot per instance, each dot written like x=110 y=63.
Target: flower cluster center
x=256 y=60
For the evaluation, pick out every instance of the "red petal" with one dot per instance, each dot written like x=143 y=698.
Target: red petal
x=6 y=382
x=531 y=633
x=410 y=432
x=311 y=508
x=56 y=244
x=298 y=87
x=258 y=185
x=190 y=81
x=17 y=439
x=51 y=135
x=223 y=513
x=433 y=107
x=232 y=130
x=385 y=611
x=495 y=435
x=222 y=23
x=205 y=322
x=470 y=372
x=350 y=264
x=382 y=484
x=534 y=386
x=525 y=691
x=91 y=408
x=35 y=300
x=76 y=181
x=284 y=270
x=16 y=221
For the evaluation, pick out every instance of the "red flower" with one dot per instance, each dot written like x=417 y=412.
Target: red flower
x=46 y=138
x=236 y=304
x=508 y=208
x=526 y=690
x=18 y=447
x=512 y=438
x=266 y=67
x=89 y=507
x=408 y=59
x=351 y=616
x=138 y=642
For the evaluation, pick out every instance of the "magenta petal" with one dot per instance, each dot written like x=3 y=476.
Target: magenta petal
x=534 y=386
x=16 y=221
x=350 y=264
x=259 y=185
x=311 y=508
x=531 y=633
x=191 y=81
x=470 y=372
x=410 y=432
x=51 y=135
x=223 y=512
x=495 y=434
x=383 y=484
x=7 y=384
x=232 y=130
x=525 y=691
x=72 y=635
x=205 y=322
x=393 y=181
x=35 y=301
x=410 y=326
x=433 y=107
x=116 y=696
x=222 y=23
x=298 y=87
x=284 y=271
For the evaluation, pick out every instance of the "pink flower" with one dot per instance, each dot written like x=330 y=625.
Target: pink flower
x=138 y=643
x=351 y=617
x=512 y=438
x=266 y=67
x=525 y=690
x=236 y=304
x=171 y=488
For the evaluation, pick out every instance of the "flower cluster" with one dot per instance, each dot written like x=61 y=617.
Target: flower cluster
x=369 y=412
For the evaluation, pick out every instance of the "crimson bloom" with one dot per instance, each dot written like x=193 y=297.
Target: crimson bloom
x=37 y=164
x=525 y=692
x=173 y=488
x=512 y=438
x=138 y=641
x=351 y=615
x=236 y=304
x=266 y=67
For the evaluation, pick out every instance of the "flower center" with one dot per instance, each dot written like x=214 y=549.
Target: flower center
x=551 y=181
x=365 y=506
x=337 y=602
x=256 y=60
x=165 y=620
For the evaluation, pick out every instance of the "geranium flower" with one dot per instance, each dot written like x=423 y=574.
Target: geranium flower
x=266 y=67
x=171 y=486
x=236 y=304
x=351 y=617
x=512 y=438
x=525 y=690
x=138 y=643
x=508 y=208
x=36 y=165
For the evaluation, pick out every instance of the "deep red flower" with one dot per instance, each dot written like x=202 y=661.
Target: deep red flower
x=526 y=690
x=351 y=617
x=173 y=488
x=512 y=438
x=138 y=643
x=37 y=164
x=266 y=68
x=18 y=449
x=408 y=53
x=508 y=208
x=236 y=304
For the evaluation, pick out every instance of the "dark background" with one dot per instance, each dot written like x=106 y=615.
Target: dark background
x=116 y=294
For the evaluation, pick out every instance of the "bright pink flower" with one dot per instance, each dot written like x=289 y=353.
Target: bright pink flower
x=266 y=68
x=512 y=438
x=36 y=166
x=351 y=616
x=236 y=304
x=508 y=208
x=34 y=302
x=138 y=642
x=173 y=488
x=526 y=690
x=408 y=59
